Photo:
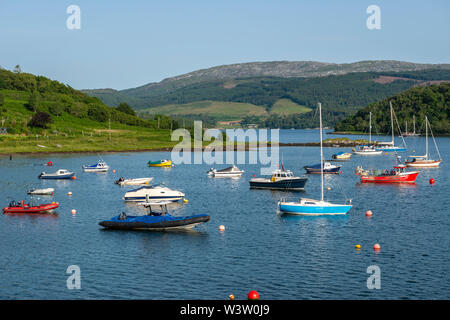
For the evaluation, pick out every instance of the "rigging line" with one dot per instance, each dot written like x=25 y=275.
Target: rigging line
x=398 y=127
x=435 y=144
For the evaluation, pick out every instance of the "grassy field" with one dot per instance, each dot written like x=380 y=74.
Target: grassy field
x=219 y=110
x=286 y=106
x=227 y=111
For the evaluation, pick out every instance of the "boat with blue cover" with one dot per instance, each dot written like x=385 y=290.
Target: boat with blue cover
x=327 y=168
x=154 y=220
x=100 y=166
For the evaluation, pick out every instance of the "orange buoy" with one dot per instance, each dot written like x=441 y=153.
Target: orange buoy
x=431 y=181
x=74 y=178
x=114 y=170
x=253 y=295
x=376 y=247
x=368 y=213
x=73 y=211
x=221 y=227
x=231 y=296
x=69 y=193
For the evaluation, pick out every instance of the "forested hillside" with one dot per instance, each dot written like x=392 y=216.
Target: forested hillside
x=432 y=101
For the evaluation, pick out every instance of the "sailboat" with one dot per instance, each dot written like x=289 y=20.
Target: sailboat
x=311 y=207
x=411 y=134
x=424 y=161
x=389 y=145
x=369 y=149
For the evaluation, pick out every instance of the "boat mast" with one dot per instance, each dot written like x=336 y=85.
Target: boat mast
x=414 y=123
x=321 y=151
x=370 y=128
x=426 y=137
x=392 y=122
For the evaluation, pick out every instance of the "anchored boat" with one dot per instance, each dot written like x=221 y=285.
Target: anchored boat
x=154 y=220
x=160 y=163
x=151 y=193
x=389 y=146
x=395 y=175
x=59 y=174
x=131 y=182
x=367 y=150
x=341 y=156
x=311 y=207
x=230 y=172
x=22 y=207
x=100 y=166
x=326 y=167
x=46 y=191
x=280 y=180
x=424 y=161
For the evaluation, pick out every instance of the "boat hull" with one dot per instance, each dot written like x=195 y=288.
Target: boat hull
x=160 y=164
x=423 y=163
x=285 y=184
x=368 y=153
x=48 y=191
x=45 y=208
x=55 y=177
x=155 y=223
x=297 y=209
x=311 y=170
x=389 y=149
x=407 y=177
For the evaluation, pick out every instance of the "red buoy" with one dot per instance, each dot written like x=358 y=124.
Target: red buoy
x=253 y=295
x=368 y=213
x=49 y=163
x=431 y=181
x=376 y=247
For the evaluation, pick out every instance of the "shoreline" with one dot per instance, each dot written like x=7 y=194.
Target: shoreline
x=246 y=148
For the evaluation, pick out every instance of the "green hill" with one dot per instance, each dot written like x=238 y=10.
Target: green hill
x=432 y=101
x=41 y=115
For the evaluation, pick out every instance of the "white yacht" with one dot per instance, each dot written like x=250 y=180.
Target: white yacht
x=231 y=172
x=151 y=193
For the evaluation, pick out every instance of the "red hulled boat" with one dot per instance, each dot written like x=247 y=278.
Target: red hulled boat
x=395 y=175
x=22 y=207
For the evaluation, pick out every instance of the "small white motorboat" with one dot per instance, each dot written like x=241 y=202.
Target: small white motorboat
x=46 y=191
x=133 y=182
x=100 y=166
x=151 y=193
x=59 y=174
x=230 y=172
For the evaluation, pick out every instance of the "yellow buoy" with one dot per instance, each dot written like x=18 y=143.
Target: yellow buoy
x=69 y=193
x=358 y=246
x=185 y=200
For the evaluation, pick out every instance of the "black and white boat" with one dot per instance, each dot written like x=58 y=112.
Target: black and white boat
x=280 y=180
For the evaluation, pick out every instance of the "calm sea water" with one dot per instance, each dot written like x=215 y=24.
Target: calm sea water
x=282 y=257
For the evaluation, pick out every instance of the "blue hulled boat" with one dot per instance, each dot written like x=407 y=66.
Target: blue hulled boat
x=327 y=168
x=154 y=220
x=60 y=174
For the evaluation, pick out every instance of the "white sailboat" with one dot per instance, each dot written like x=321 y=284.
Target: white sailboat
x=411 y=134
x=424 y=161
x=367 y=150
x=389 y=146
x=311 y=207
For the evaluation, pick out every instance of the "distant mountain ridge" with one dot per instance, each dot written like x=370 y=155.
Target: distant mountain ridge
x=282 y=69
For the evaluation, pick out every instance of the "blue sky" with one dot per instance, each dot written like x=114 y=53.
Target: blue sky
x=130 y=43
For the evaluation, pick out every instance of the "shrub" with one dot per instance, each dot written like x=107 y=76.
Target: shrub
x=40 y=120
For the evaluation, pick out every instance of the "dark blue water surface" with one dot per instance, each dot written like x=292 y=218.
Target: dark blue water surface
x=282 y=257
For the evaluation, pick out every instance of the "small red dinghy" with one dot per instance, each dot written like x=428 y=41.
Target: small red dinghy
x=22 y=207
